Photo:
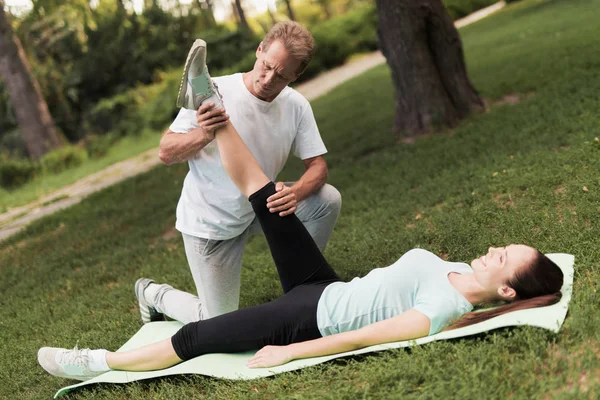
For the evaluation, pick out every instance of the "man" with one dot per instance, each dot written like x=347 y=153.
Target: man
x=213 y=216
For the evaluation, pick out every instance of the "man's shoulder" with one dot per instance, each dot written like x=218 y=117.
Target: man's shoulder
x=295 y=96
x=227 y=79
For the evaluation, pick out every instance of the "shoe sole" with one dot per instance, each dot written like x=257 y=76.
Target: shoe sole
x=181 y=96
x=146 y=315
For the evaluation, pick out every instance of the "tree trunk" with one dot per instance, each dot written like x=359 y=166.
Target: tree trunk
x=425 y=55
x=326 y=8
x=290 y=11
x=210 y=13
x=31 y=110
x=205 y=9
x=243 y=23
x=271 y=15
x=263 y=25
x=148 y=4
x=236 y=16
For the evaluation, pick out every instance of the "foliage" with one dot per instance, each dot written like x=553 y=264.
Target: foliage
x=69 y=277
x=12 y=141
x=229 y=48
x=15 y=171
x=341 y=37
x=82 y=55
x=99 y=68
x=335 y=41
x=131 y=112
x=99 y=145
x=62 y=158
x=107 y=154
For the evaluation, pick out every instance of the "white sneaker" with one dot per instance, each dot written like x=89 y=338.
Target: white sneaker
x=196 y=85
x=65 y=363
x=147 y=312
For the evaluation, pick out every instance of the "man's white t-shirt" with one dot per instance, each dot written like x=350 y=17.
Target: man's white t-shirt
x=211 y=206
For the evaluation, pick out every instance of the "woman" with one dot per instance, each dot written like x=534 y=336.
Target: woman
x=318 y=314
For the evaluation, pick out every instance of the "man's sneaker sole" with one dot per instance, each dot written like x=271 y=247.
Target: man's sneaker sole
x=200 y=84
x=148 y=314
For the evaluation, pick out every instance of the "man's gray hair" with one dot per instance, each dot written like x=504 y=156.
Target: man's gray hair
x=295 y=38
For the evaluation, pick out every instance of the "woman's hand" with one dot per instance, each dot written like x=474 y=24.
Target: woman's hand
x=270 y=356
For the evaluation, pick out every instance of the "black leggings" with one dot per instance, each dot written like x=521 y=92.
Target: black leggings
x=304 y=273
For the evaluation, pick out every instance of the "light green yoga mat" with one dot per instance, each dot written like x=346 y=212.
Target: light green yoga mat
x=233 y=366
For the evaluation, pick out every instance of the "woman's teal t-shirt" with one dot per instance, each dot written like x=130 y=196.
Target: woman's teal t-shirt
x=418 y=280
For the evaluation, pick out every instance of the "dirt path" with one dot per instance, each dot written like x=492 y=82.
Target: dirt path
x=17 y=218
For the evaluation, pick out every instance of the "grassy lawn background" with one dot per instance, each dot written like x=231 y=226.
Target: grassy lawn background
x=126 y=147
x=514 y=175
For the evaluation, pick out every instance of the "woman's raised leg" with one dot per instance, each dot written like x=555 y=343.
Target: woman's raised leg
x=297 y=257
x=240 y=164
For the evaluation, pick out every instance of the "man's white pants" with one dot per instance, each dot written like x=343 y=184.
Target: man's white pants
x=216 y=264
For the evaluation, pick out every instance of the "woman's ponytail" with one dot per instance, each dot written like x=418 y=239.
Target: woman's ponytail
x=480 y=316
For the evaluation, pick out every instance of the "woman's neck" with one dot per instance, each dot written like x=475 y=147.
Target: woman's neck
x=470 y=289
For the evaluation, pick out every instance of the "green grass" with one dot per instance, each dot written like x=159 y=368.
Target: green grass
x=43 y=185
x=513 y=175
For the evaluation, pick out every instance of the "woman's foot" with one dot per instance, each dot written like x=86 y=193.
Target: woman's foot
x=196 y=85
x=74 y=364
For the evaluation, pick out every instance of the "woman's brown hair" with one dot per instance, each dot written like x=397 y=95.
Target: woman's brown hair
x=536 y=285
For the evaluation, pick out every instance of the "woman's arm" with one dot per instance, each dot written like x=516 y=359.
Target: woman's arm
x=411 y=324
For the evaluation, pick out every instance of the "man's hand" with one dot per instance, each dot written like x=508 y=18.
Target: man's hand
x=284 y=201
x=209 y=120
x=270 y=356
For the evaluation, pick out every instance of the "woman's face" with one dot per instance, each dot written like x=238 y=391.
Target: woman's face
x=494 y=269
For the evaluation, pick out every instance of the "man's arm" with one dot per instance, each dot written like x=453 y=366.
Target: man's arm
x=313 y=178
x=285 y=201
x=411 y=324
x=176 y=147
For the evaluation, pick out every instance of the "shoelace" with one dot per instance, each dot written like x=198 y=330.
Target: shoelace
x=76 y=357
x=217 y=90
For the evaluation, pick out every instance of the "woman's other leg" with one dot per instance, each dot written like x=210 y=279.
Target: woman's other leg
x=158 y=355
x=289 y=319
x=84 y=364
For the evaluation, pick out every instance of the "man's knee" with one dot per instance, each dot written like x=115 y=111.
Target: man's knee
x=331 y=198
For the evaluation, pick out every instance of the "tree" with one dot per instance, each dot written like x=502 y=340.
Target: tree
x=205 y=9
x=425 y=55
x=271 y=16
x=238 y=10
x=326 y=6
x=290 y=11
x=31 y=110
